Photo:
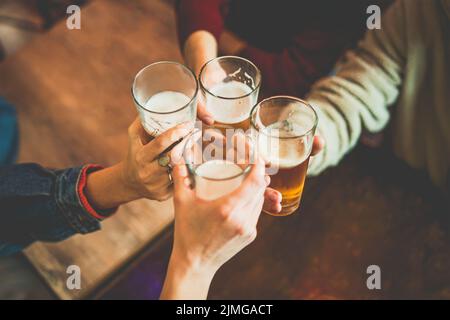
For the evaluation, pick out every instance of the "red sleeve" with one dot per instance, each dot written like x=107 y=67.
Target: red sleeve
x=82 y=196
x=311 y=53
x=292 y=71
x=193 y=15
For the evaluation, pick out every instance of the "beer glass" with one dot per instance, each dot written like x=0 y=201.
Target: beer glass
x=217 y=164
x=165 y=94
x=284 y=129
x=230 y=87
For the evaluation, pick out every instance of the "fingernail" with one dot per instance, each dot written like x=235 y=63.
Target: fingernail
x=274 y=196
x=208 y=120
x=267 y=179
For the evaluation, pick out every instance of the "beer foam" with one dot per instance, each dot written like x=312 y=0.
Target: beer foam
x=167 y=101
x=228 y=110
x=231 y=89
x=283 y=153
x=164 y=102
x=217 y=169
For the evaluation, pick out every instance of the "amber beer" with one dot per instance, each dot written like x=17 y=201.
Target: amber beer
x=290 y=182
x=289 y=179
x=230 y=87
x=285 y=129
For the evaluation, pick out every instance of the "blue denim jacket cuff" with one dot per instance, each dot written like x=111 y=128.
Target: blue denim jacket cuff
x=69 y=203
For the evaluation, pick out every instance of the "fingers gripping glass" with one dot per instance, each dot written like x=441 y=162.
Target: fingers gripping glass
x=217 y=165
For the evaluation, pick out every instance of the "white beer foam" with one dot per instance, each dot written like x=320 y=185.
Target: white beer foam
x=227 y=110
x=166 y=101
x=217 y=169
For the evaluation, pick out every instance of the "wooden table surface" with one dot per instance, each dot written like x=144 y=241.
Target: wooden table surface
x=72 y=93
x=71 y=89
x=370 y=210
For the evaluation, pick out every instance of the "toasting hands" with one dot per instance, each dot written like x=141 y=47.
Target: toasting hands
x=209 y=233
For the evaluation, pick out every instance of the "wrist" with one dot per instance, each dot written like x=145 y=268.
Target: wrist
x=108 y=188
x=192 y=264
x=186 y=279
x=128 y=188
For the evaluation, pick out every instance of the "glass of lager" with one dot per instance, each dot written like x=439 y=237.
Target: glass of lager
x=217 y=164
x=230 y=87
x=284 y=129
x=165 y=94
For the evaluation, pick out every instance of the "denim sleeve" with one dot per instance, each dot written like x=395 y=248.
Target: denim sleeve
x=40 y=204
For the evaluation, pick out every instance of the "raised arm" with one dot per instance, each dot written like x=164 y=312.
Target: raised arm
x=366 y=83
x=39 y=204
x=199 y=24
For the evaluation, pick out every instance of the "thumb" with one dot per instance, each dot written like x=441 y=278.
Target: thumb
x=203 y=114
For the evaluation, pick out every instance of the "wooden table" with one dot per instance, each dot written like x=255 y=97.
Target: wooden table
x=72 y=93
x=370 y=210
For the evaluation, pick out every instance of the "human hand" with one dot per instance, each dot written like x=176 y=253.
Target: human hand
x=209 y=233
x=142 y=173
x=318 y=145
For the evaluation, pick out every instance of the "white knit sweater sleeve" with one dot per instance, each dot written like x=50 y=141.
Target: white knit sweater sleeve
x=367 y=81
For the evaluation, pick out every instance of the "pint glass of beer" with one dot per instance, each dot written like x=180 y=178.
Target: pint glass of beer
x=284 y=129
x=165 y=94
x=217 y=166
x=230 y=87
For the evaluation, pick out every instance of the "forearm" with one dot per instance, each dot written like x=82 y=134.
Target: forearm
x=345 y=107
x=108 y=188
x=366 y=83
x=185 y=281
x=195 y=15
x=200 y=47
x=357 y=98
